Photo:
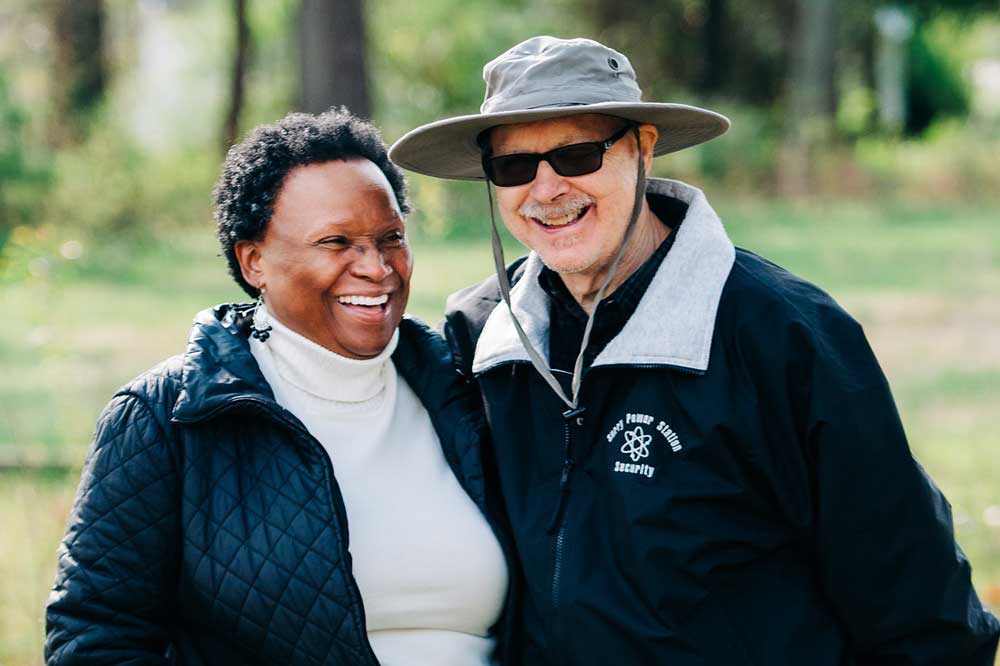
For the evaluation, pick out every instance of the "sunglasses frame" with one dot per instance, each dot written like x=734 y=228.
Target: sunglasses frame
x=602 y=146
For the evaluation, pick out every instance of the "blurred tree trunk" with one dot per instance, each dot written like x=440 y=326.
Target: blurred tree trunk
x=237 y=84
x=809 y=96
x=715 y=47
x=611 y=13
x=333 y=45
x=78 y=69
x=715 y=66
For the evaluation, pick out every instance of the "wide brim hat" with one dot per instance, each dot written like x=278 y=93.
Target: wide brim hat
x=544 y=78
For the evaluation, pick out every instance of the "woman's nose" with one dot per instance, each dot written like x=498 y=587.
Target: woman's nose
x=370 y=263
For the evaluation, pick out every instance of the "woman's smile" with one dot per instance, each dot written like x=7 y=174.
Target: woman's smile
x=381 y=299
x=367 y=309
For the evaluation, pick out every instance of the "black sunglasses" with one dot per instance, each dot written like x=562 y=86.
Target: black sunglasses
x=576 y=159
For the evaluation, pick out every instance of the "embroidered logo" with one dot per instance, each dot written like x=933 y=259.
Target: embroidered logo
x=637 y=442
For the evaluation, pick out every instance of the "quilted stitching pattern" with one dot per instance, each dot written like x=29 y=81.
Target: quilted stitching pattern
x=262 y=554
x=252 y=546
x=223 y=539
x=116 y=563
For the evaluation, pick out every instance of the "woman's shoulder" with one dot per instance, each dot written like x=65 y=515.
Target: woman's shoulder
x=158 y=388
x=416 y=334
x=424 y=359
x=163 y=378
x=421 y=352
x=152 y=392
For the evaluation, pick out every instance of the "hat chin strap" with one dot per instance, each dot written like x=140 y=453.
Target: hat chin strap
x=541 y=365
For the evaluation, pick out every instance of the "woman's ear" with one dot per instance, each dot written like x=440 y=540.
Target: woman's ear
x=251 y=265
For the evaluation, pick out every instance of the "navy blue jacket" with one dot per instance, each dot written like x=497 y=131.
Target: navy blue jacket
x=209 y=528
x=737 y=488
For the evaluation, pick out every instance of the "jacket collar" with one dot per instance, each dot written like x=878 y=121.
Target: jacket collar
x=675 y=320
x=217 y=365
x=218 y=371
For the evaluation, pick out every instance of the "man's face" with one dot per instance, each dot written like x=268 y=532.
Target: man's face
x=575 y=224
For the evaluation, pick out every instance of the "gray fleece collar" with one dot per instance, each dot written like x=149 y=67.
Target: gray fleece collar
x=675 y=320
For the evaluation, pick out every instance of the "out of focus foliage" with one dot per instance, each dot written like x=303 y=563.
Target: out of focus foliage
x=936 y=89
x=428 y=56
x=148 y=158
x=23 y=177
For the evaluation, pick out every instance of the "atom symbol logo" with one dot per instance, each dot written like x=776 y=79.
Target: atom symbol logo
x=636 y=444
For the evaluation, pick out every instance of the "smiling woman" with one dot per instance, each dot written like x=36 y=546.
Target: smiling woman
x=212 y=519
x=334 y=261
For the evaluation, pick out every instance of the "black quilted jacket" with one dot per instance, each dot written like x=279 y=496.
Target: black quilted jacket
x=209 y=528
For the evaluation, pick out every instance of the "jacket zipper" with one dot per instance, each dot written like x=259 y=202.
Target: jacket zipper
x=337 y=500
x=557 y=524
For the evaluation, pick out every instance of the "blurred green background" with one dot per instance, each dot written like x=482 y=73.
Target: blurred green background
x=863 y=156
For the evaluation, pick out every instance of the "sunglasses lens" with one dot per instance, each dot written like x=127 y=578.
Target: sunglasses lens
x=511 y=170
x=577 y=160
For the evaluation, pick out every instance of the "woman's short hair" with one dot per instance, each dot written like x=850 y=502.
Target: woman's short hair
x=255 y=169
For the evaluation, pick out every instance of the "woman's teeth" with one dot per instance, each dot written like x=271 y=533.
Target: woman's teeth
x=363 y=300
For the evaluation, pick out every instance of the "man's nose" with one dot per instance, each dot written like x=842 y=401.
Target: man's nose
x=547 y=185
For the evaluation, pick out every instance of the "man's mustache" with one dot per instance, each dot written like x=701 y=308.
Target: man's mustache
x=560 y=209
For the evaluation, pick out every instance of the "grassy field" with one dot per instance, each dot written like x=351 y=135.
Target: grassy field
x=923 y=281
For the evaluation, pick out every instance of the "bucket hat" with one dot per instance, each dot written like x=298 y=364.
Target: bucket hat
x=545 y=77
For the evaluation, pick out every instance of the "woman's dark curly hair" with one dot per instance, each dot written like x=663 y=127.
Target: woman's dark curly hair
x=255 y=169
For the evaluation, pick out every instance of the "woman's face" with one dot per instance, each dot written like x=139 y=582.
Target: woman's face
x=334 y=262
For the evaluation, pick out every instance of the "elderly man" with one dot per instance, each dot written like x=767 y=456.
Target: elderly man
x=698 y=453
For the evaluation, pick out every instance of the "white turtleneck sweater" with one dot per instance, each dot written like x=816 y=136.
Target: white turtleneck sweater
x=431 y=573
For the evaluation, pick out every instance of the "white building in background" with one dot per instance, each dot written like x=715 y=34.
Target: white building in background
x=985 y=76
x=177 y=85
x=895 y=27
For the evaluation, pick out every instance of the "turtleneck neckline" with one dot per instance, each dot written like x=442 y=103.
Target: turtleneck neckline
x=314 y=369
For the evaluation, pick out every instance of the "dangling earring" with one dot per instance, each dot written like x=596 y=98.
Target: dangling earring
x=261 y=328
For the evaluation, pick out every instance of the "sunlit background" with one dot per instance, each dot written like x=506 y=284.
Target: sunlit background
x=863 y=155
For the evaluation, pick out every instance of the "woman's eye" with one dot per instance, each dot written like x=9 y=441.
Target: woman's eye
x=335 y=241
x=395 y=238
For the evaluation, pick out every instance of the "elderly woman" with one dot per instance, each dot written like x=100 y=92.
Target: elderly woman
x=303 y=484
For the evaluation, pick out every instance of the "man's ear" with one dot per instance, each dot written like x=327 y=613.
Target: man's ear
x=251 y=263
x=648 y=134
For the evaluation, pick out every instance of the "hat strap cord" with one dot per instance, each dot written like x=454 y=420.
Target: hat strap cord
x=500 y=263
